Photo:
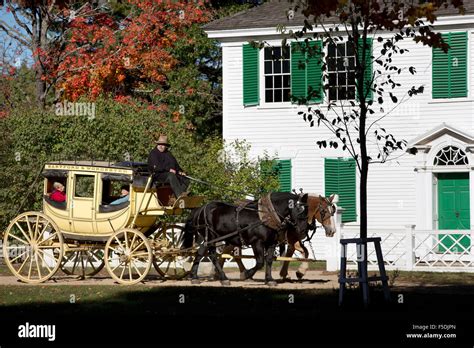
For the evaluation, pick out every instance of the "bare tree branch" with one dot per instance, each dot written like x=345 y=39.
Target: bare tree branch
x=17 y=19
x=14 y=34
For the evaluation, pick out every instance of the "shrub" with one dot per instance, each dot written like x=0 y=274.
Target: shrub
x=29 y=139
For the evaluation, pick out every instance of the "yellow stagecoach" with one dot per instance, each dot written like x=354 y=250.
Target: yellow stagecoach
x=86 y=232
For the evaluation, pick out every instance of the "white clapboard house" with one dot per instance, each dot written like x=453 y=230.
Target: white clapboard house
x=422 y=205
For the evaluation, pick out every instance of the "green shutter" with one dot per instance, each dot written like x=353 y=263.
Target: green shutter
x=298 y=72
x=314 y=73
x=440 y=72
x=340 y=178
x=368 y=67
x=331 y=180
x=306 y=72
x=284 y=175
x=449 y=71
x=250 y=73
x=458 y=65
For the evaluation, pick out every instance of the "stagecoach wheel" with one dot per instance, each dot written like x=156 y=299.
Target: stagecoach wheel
x=84 y=263
x=128 y=256
x=33 y=247
x=169 y=261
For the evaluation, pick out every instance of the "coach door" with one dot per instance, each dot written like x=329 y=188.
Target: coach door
x=83 y=202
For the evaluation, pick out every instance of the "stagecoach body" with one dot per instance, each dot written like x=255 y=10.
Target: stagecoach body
x=87 y=213
x=86 y=232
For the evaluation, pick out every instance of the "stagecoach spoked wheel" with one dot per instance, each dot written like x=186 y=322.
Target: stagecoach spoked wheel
x=83 y=262
x=128 y=256
x=33 y=247
x=169 y=261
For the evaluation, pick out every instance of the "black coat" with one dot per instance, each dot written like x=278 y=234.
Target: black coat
x=160 y=163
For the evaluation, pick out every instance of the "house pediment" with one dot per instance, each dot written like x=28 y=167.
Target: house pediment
x=429 y=139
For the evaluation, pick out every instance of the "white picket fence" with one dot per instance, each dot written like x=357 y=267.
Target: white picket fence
x=406 y=249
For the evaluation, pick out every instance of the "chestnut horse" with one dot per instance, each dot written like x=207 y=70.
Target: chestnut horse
x=320 y=209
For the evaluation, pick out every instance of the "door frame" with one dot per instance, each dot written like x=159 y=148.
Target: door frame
x=93 y=199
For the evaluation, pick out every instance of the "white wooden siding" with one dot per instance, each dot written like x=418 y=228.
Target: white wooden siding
x=391 y=188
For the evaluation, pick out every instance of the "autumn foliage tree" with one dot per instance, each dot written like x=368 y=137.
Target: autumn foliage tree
x=108 y=56
x=38 y=26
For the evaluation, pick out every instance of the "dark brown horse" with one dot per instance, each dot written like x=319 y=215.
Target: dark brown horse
x=320 y=209
x=223 y=222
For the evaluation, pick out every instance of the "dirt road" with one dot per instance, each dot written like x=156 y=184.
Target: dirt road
x=314 y=279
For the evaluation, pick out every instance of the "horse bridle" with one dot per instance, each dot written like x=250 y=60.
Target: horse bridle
x=330 y=209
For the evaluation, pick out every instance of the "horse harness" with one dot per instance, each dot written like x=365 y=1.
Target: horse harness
x=270 y=218
x=208 y=227
x=267 y=214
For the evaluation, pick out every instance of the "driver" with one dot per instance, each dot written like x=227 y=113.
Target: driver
x=165 y=167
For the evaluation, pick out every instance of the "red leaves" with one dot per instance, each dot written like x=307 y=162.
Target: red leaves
x=106 y=56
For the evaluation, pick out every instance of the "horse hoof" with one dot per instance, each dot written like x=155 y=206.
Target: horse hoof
x=195 y=281
x=299 y=275
x=285 y=279
x=225 y=282
x=271 y=283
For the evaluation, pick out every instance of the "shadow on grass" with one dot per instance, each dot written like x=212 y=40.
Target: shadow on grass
x=185 y=313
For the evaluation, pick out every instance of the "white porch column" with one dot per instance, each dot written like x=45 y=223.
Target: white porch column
x=424 y=200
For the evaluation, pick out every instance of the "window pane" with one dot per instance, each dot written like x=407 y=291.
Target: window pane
x=286 y=81
x=268 y=82
x=341 y=49
x=332 y=79
x=278 y=96
x=286 y=52
x=331 y=64
x=351 y=93
x=84 y=186
x=278 y=82
x=277 y=66
x=268 y=67
x=340 y=64
x=350 y=49
x=351 y=78
x=276 y=53
x=332 y=93
x=269 y=96
x=342 y=93
x=341 y=79
x=268 y=53
x=286 y=66
x=351 y=63
x=286 y=94
x=331 y=50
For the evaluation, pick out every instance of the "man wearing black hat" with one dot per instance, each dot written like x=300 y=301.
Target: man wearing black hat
x=165 y=167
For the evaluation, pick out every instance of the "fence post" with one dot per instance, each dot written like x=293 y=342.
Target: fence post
x=333 y=252
x=410 y=246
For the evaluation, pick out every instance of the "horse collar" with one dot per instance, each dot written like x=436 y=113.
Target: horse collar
x=267 y=213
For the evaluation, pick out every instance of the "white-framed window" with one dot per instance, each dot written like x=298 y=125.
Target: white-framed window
x=277 y=74
x=341 y=71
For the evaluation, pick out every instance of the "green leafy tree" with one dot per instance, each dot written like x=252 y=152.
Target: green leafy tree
x=118 y=132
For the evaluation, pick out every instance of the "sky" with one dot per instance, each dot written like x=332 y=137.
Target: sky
x=26 y=55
